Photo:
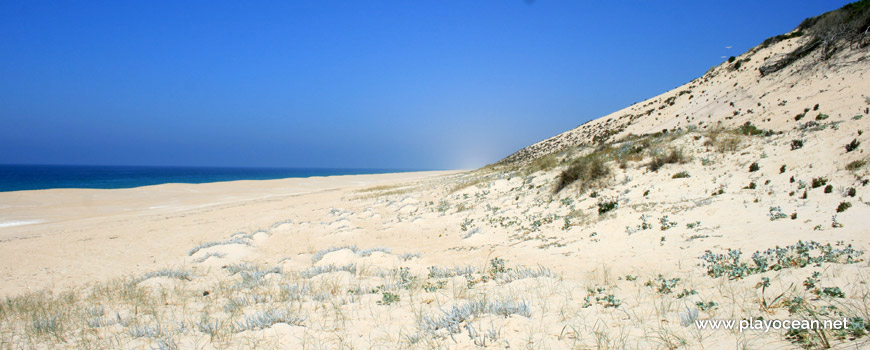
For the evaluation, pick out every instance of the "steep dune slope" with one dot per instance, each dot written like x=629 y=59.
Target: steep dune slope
x=736 y=92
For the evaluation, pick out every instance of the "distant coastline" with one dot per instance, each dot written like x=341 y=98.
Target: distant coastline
x=41 y=177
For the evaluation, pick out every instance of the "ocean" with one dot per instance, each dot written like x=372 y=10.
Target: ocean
x=38 y=177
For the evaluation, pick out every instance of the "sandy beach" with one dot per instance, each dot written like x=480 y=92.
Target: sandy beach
x=741 y=195
x=66 y=237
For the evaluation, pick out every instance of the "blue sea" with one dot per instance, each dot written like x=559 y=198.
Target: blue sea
x=38 y=177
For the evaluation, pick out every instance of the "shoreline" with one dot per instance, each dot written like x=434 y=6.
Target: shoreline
x=22 y=177
x=88 y=235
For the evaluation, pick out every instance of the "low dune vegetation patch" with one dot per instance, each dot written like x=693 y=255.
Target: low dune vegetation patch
x=589 y=170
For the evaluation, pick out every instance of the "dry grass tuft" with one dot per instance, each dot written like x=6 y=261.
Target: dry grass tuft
x=590 y=170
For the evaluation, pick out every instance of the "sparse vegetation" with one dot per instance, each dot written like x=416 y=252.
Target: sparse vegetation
x=793 y=256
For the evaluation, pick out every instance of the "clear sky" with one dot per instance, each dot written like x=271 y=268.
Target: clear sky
x=375 y=84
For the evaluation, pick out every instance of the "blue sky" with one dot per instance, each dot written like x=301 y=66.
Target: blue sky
x=374 y=84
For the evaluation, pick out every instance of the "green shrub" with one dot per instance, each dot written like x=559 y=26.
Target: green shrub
x=855 y=165
x=851 y=146
x=843 y=206
x=589 y=170
x=797 y=144
x=606 y=206
x=681 y=175
x=750 y=130
x=819 y=182
x=754 y=167
x=388 y=298
x=829 y=188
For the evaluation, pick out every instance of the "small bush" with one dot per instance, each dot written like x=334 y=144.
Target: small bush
x=388 y=298
x=822 y=116
x=588 y=169
x=843 y=206
x=681 y=175
x=829 y=188
x=782 y=169
x=606 y=206
x=850 y=192
x=750 y=130
x=855 y=165
x=675 y=155
x=751 y=186
x=819 y=182
x=851 y=146
x=797 y=144
x=754 y=167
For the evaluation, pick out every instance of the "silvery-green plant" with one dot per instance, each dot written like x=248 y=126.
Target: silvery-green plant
x=146 y=331
x=368 y=252
x=201 y=246
x=265 y=319
x=208 y=255
x=776 y=214
x=409 y=256
x=170 y=273
x=295 y=292
x=688 y=318
x=49 y=324
x=165 y=344
x=440 y=272
x=452 y=319
x=522 y=272
x=279 y=223
x=471 y=232
x=318 y=270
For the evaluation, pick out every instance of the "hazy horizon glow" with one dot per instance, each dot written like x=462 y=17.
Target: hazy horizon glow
x=380 y=84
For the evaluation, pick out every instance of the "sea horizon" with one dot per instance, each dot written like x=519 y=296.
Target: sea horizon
x=27 y=177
